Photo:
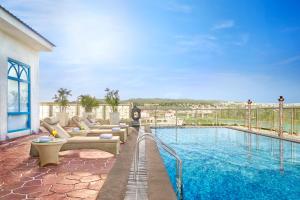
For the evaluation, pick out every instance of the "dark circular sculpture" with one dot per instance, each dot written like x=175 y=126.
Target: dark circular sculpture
x=135 y=115
x=281 y=99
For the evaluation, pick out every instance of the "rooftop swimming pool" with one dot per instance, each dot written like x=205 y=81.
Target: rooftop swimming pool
x=221 y=163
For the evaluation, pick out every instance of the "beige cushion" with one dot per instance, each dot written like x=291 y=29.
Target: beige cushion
x=83 y=139
x=84 y=125
x=100 y=131
x=107 y=126
x=91 y=120
x=80 y=123
x=52 y=124
x=88 y=123
x=51 y=120
x=76 y=118
x=103 y=121
x=61 y=133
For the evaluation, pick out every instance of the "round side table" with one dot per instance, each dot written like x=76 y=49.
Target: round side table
x=48 y=151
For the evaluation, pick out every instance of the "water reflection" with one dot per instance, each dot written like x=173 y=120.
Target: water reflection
x=292 y=152
x=228 y=135
x=282 y=150
x=213 y=154
x=249 y=137
x=272 y=149
x=216 y=136
x=257 y=142
x=176 y=135
x=281 y=155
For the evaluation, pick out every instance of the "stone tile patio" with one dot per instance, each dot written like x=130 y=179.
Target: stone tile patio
x=79 y=175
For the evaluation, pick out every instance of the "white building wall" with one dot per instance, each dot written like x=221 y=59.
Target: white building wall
x=12 y=48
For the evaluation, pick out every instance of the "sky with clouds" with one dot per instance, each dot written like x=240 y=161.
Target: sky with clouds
x=201 y=49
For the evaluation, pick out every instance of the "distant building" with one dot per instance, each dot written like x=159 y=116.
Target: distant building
x=19 y=76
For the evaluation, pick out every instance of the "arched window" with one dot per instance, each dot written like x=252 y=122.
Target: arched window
x=18 y=102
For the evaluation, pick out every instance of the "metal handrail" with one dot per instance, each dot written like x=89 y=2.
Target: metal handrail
x=168 y=149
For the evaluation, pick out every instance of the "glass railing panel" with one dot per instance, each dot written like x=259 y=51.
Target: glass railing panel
x=297 y=121
x=287 y=120
x=266 y=118
x=261 y=118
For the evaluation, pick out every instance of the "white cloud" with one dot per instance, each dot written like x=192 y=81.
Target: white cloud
x=243 y=39
x=224 y=25
x=289 y=60
x=206 y=44
x=181 y=8
x=84 y=34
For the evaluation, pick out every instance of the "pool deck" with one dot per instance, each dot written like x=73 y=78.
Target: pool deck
x=153 y=180
x=115 y=186
x=89 y=174
x=79 y=174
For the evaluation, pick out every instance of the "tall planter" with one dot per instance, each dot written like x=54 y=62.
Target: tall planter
x=114 y=118
x=63 y=118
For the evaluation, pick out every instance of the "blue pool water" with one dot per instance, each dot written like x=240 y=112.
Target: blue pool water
x=220 y=163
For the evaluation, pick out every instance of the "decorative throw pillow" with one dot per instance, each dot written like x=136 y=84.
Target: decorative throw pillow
x=54 y=133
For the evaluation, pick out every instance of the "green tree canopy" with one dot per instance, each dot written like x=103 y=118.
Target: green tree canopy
x=112 y=98
x=88 y=102
x=61 y=97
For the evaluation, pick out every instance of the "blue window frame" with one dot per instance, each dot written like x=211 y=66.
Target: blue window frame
x=18 y=100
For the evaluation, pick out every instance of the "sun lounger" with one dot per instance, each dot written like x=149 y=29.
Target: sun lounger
x=79 y=142
x=122 y=133
x=96 y=125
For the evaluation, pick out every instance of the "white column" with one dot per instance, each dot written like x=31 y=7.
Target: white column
x=3 y=97
x=34 y=90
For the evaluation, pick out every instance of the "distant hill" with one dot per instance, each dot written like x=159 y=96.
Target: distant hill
x=170 y=102
x=166 y=102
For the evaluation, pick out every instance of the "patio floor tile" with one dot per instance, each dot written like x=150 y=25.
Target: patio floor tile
x=61 y=188
x=80 y=174
x=83 y=193
x=13 y=196
x=88 y=179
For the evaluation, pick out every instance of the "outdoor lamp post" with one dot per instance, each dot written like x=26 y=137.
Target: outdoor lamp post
x=280 y=131
x=249 y=114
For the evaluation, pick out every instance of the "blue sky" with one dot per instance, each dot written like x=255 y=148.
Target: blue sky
x=202 y=49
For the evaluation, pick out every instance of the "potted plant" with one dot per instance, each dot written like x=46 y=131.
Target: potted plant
x=112 y=98
x=88 y=103
x=62 y=99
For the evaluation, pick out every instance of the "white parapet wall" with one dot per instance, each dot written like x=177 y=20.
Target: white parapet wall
x=49 y=109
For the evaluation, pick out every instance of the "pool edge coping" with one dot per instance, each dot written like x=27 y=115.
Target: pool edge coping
x=157 y=175
x=238 y=129
x=263 y=134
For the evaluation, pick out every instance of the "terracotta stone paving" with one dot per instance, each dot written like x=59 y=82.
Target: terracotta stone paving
x=79 y=174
